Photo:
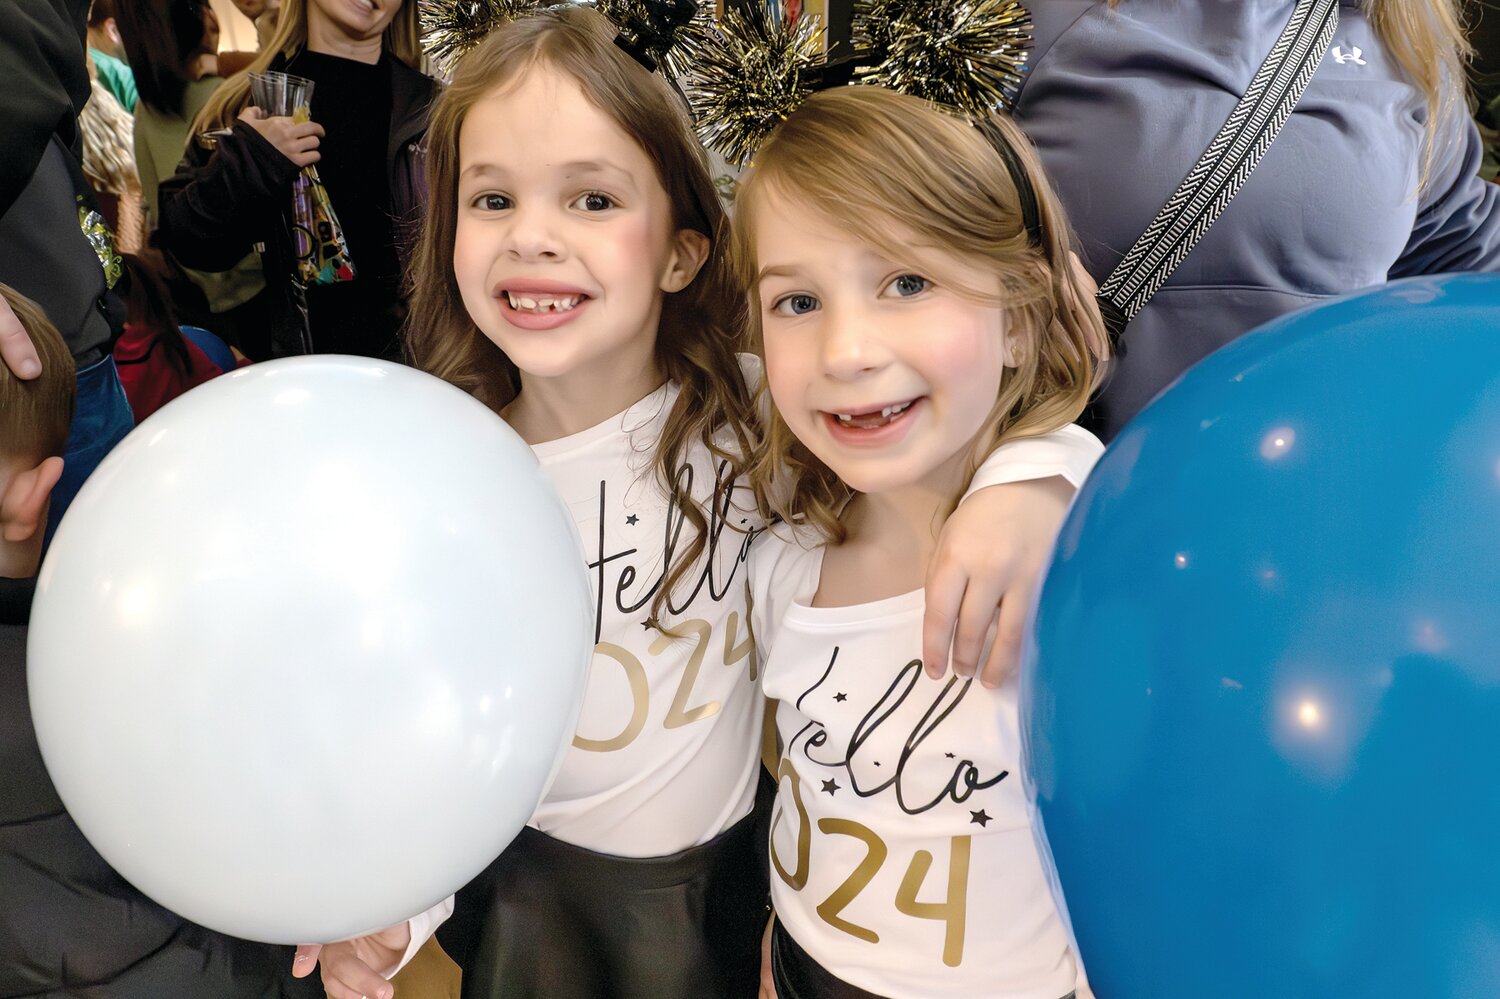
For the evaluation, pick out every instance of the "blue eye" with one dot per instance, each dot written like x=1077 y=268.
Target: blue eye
x=593 y=201
x=492 y=202
x=795 y=305
x=908 y=285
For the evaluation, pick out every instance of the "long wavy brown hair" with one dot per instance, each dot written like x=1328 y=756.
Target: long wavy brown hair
x=1430 y=42
x=402 y=39
x=921 y=185
x=702 y=327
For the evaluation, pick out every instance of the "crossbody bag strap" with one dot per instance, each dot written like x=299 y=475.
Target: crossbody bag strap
x=1224 y=166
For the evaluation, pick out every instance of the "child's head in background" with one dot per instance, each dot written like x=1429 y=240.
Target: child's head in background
x=35 y=417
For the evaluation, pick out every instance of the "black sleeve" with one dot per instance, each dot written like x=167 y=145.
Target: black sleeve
x=217 y=207
x=46 y=83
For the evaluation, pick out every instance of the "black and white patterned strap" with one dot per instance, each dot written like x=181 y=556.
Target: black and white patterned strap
x=1224 y=166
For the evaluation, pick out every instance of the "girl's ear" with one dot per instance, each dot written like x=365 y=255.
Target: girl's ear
x=1010 y=349
x=689 y=252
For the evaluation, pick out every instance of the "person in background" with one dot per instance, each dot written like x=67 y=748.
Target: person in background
x=175 y=42
x=373 y=103
x=262 y=14
x=69 y=924
x=1375 y=175
x=1484 y=18
x=158 y=359
x=107 y=52
x=109 y=165
x=54 y=246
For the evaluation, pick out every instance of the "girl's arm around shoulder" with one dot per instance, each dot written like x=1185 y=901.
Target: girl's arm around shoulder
x=994 y=548
x=1070 y=452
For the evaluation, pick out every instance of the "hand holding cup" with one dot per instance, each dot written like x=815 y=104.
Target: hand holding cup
x=279 y=113
x=296 y=140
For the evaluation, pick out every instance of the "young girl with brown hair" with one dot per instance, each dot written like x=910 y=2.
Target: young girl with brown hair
x=574 y=274
x=917 y=309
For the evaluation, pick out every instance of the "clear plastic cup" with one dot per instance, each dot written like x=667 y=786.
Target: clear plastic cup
x=281 y=94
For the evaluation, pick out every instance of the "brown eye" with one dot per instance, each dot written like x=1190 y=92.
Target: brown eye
x=593 y=201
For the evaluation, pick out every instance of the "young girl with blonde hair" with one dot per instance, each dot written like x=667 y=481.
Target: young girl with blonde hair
x=574 y=274
x=918 y=310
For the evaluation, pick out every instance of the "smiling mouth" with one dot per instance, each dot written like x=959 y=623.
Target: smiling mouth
x=873 y=419
x=540 y=305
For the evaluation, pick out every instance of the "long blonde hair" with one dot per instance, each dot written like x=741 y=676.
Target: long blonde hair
x=914 y=181
x=402 y=39
x=701 y=328
x=1429 y=40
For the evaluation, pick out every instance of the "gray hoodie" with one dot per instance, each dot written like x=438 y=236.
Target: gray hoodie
x=1121 y=103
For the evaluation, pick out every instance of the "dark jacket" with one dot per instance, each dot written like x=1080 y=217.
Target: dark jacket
x=1121 y=103
x=44 y=205
x=222 y=203
x=69 y=925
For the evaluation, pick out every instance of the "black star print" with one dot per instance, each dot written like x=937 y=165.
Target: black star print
x=949 y=755
x=877 y=763
x=631 y=519
x=646 y=625
x=979 y=818
x=830 y=786
x=841 y=696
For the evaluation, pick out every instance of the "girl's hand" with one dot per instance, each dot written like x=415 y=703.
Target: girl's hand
x=991 y=553
x=767 y=981
x=349 y=967
x=297 y=141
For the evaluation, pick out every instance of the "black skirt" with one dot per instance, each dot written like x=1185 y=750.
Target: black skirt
x=798 y=976
x=549 y=920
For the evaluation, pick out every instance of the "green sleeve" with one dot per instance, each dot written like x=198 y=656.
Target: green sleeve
x=117 y=78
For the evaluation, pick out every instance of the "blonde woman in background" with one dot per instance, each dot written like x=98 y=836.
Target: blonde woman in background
x=369 y=117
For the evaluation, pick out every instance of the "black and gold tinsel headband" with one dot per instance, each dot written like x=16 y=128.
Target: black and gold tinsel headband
x=658 y=34
x=452 y=27
x=748 y=74
x=746 y=71
x=966 y=55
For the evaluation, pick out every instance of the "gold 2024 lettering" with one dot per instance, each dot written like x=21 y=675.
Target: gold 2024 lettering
x=698 y=631
x=952 y=911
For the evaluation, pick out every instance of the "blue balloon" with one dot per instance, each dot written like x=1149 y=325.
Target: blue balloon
x=1261 y=699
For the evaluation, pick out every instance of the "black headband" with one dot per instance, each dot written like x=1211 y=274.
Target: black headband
x=650 y=30
x=1030 y=215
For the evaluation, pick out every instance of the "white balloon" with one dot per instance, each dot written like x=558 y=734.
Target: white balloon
x=308 y=646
